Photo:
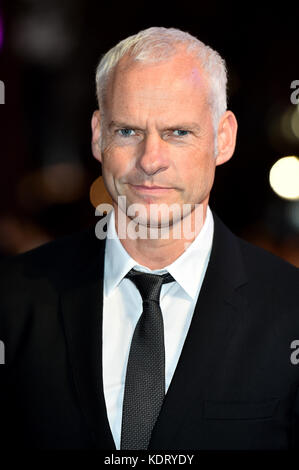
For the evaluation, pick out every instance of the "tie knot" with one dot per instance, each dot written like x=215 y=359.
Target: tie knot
x=149 y=285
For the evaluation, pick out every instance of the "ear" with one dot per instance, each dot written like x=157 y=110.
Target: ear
x=96 y=134
x=226 y=137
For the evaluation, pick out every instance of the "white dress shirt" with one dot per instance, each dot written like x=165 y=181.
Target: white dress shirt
x=122 y=307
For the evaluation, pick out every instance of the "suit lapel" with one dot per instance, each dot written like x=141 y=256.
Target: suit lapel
x=214 y=321
x=82 y=305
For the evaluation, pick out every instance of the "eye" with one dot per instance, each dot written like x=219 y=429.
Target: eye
x=180 y=132
x=126 y=132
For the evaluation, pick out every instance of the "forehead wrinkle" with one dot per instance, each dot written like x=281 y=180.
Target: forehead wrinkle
x=186 y=66
x=135 y=90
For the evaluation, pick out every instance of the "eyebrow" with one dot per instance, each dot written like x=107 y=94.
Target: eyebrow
x=193 y=126
x=122 y=124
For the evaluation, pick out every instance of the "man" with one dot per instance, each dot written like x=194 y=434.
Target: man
x=167 y=332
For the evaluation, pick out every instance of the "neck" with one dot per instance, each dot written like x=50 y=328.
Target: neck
x=160 y=247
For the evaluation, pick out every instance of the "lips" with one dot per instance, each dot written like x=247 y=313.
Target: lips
x=150 y=189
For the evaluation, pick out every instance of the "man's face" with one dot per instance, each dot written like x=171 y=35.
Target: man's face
x=158 y=138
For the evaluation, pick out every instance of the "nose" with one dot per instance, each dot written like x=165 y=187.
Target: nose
x=153 y=156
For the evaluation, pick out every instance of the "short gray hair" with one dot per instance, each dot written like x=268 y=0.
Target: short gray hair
x=158 y=44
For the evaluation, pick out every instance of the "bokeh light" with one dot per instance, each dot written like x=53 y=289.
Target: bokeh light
x=284 y=177
x=98 y=193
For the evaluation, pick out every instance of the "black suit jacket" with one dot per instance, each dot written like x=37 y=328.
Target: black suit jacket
x=234 y=387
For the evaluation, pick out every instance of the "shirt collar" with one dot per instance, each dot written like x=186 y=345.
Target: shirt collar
x=118 y=262
x=188 y=269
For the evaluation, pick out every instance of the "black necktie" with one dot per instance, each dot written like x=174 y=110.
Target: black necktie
x=145 y=378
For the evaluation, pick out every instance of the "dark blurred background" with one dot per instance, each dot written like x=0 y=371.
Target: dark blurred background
x=49 y=50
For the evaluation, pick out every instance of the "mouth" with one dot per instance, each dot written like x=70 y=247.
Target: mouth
x=146 y=189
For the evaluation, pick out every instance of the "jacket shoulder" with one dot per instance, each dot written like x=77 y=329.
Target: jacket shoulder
x=261 y=262
x=245 y=263
x=61 y=257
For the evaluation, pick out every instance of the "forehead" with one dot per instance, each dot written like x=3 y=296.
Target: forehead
x=180 y=78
